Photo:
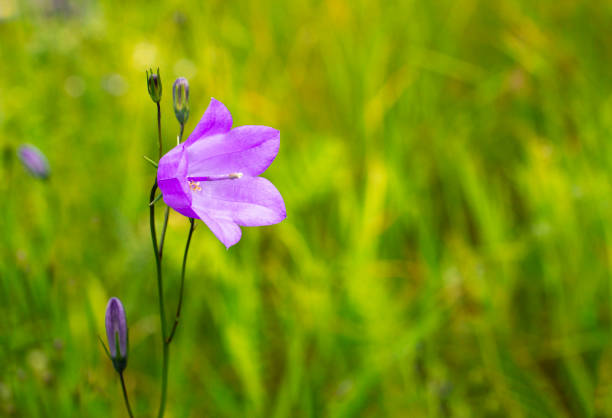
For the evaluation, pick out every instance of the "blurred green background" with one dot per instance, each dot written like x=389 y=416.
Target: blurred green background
x=446 y=168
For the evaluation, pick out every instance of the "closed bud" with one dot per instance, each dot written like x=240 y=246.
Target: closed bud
x=34 y=161
x=180 y=95
x=117 y=333
x=154 y=85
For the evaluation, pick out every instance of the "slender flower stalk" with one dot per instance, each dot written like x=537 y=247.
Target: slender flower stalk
x=162 y=239
x=155 y=90
x=180 y=301
x=159 y=140
x=125 y=396
x=180 y=93
x=162 y=309
x=161 y=150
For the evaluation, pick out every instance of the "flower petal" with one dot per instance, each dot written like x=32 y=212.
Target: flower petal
x=173 y=163
x=249 y=201
x=171 y=179
x=224 y=229
x=216 y=120
x=247 y=149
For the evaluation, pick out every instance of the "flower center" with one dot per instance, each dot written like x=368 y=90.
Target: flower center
x=195 y=186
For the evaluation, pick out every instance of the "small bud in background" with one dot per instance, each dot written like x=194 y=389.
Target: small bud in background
x=180 y=95
x=34 y=161
x=154 y=85
x=117 y=333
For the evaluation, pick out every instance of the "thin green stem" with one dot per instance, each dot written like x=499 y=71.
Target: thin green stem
x=159 y=138
x=180 y=137
x=158 y=250
x=163 y=232
x=162 y=401
x=162 y=238
x=191 y=227
x=125 y=396
x=180 y=301
x=162 y=309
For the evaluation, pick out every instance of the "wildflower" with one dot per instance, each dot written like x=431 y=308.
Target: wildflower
x=34 y=161
x=117 y=333
x=154 y=85
x=213 y=176
x=180 y=96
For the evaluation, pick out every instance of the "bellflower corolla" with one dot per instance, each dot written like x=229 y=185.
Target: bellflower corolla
x=117 y=333
x=213 y=176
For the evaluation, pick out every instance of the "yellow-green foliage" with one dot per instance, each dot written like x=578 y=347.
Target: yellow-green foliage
x=446 y=167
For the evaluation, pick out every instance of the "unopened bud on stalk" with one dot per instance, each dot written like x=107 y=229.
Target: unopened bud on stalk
x=117 y=333
x=180 y=95
x=34 y=161
x=154 y=85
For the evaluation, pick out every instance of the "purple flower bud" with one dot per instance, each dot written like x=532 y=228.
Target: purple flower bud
x=154 y=85
x=117 y=333
x=34 y=161
x=180 y=95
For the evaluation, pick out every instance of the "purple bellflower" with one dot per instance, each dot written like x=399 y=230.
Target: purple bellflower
x=34 y=161
x=117 y=333
x=213 y=175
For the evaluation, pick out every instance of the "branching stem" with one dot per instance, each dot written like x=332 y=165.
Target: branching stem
x=162 y=309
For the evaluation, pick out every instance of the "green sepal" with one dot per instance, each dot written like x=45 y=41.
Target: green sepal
x=153 y=163
x=119 y=362
x=105 y=349
x=159 y=196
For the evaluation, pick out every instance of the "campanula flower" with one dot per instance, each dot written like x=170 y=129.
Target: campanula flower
x=213 y=176
x=117 y=333
x=34 y=161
